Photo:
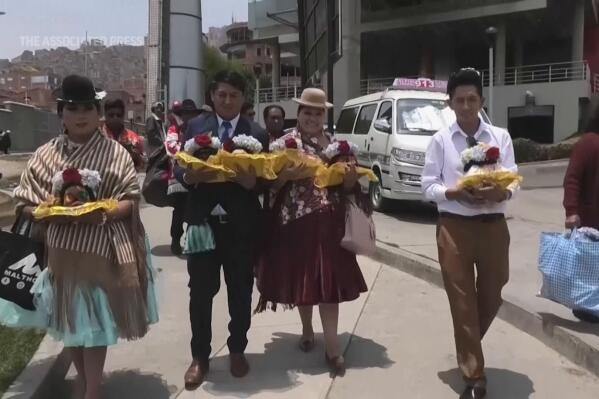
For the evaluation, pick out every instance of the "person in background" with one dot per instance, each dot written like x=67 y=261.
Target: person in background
x=114 y=128
x=473 y=239
x=155 y=131
x=234 y=218
x=274 y=120
x=248 y=111
x=5 y=142
x=581 y=188
x=174 y=117
x=184 y=112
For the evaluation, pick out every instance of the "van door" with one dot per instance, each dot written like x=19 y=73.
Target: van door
x=361 y=137
x=380 y=136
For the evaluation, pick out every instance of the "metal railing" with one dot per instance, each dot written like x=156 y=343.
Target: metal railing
x=526 y=74
x=541 y=73
x=285 y=93
x=596 y=83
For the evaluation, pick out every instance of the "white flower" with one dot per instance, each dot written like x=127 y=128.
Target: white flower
x=247 y=143
x=478 y=153
x=191 y=146
x=333 y=149
x=280 y=144
x=89 y=178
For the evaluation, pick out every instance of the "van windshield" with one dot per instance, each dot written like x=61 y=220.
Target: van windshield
x=423 y=116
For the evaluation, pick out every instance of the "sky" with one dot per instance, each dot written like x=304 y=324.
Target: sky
x=37 y=24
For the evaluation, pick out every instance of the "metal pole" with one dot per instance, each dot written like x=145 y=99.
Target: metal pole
x=491 y=76
x=330 y=62
x=85 y=56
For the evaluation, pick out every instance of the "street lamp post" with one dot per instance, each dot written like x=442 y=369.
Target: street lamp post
x=491 y=33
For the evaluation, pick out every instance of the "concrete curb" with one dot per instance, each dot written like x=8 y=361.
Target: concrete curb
x=527 y=320
x=46 y=369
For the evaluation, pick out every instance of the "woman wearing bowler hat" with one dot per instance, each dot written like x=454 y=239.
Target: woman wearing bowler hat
x=302 y=262
x=97 y=287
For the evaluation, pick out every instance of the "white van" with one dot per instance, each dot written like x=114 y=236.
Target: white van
x=392 y=130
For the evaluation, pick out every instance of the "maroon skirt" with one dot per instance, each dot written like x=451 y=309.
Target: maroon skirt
x=303 y=263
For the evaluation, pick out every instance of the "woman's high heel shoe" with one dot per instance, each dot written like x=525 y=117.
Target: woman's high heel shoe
x=336 y=364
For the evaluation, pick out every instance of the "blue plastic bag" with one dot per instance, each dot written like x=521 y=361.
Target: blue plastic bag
x=569 y=264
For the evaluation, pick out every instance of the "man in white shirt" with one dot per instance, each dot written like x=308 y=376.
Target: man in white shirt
x=472 y=230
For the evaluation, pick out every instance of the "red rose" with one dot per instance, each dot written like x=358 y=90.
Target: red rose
x=290 y=143
x=492 y=154
x=229 y=145
x=344 y=148
x=203 y=140
x=71 y=176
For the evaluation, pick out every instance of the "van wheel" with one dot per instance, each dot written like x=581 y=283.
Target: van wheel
x=379 y=203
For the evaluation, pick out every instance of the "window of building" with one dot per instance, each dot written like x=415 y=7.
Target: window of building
x=259 y=51
x=268 y=52
x=365 y=119
x=315 y=33
x=347 y=119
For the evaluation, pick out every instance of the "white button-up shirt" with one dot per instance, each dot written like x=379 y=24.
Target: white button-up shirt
x=221 y=128
x=443 y=166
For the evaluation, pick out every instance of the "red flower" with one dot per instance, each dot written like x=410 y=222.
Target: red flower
x=229 y=145
x=344 y=148
x=492 y=154
x=203 y=140
x=290 y=143
x=71 y=176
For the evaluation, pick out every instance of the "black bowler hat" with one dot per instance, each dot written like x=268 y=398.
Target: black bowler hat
x=77 y=89
x=189 y=106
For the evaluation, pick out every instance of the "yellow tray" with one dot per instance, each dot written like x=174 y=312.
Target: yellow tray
x=213 y=163
x=280 y=159
x=262 y=163
x=501 y=178
x=45 y=210
x=328 y=176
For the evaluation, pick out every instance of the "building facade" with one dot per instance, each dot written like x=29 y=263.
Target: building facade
x=542 y=47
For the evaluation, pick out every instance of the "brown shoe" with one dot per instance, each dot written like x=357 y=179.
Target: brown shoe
x=195 y=374
x=239 y=365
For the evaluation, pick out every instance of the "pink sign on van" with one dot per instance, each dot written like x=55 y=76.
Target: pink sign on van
x=420 y=84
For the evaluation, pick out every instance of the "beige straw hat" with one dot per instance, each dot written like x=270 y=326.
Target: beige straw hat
x=313 y=97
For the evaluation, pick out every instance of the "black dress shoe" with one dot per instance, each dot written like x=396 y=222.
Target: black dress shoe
x=585 y=316
x=474 y=393
x=176 y=248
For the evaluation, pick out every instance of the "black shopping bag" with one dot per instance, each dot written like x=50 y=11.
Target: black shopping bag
x=21 y=262
x=155 y=185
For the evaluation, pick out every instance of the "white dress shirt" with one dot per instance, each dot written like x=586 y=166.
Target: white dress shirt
x=443 y=166
x=233 y=123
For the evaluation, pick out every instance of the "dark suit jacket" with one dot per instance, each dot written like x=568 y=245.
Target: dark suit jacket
x=242 y=206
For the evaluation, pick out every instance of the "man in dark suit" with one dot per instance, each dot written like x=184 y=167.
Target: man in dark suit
x=233 y=212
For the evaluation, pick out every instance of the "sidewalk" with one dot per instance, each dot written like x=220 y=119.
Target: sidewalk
x=531 y=213
x=398 y=341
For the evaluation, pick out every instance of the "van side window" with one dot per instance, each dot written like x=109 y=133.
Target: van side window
x=386 y=111
x=346 y=121
x=365 y=119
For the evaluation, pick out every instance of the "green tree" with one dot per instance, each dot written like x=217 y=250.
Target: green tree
x=214 y=61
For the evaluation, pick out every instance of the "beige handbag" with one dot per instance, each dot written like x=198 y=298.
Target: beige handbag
x=360 y=233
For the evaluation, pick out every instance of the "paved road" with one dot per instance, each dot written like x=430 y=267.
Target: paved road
x=398 y=339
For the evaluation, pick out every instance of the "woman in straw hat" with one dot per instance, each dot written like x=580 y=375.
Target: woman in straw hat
x=302 y=263
x=98 y=284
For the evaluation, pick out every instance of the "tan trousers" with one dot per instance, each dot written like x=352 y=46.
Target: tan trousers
x=474 y=298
